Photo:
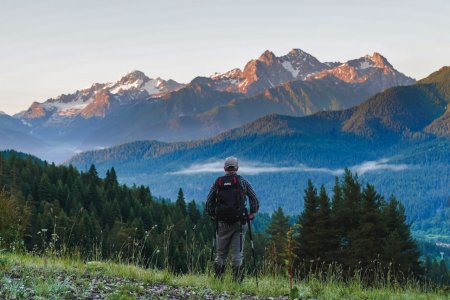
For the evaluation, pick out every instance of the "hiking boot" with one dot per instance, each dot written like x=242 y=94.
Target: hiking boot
x=219 y=270
x=238 y=274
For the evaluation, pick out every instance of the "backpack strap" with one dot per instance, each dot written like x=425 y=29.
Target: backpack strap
x=216 y=220
x=219 y=184
x=239 y=183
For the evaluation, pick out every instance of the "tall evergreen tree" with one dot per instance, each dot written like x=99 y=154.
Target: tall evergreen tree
x=351 y=193
x=349 y=217
x=368 y=237
x=325 y=236
x=277 y=230
x=399 y=248
x=193 y=213
x=181 y=203
x=111 y=178
x=93 y=174
x=338 y=219
x=44 y=188
x=306 y=244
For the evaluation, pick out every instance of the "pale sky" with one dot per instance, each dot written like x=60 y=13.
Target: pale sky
x=48 y=48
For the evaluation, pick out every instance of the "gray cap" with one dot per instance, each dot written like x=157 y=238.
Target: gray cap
x=231 y=162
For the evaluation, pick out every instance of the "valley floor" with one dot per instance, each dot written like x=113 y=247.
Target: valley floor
x=33 y=277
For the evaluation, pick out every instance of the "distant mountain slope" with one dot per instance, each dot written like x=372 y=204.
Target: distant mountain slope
x=371 y=68
x=339 y=87
x=441 y=75
x=14 y=134
x=298 y=98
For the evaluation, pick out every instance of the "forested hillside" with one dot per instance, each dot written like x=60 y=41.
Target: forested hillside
x=61 y=210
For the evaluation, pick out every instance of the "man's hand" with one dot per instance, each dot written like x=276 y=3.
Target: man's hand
x=251 y=216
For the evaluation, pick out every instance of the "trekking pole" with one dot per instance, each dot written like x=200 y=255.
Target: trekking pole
x=212 y=248
x=212 y=252
x=214 y=241
x=251 y=243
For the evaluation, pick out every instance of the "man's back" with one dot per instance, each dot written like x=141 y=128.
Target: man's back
x=226 y=203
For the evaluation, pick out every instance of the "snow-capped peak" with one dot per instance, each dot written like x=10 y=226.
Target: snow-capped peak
x=367 y=68
x=136 y=84
x=268 y=70
x=139 y=82
x=301 y=64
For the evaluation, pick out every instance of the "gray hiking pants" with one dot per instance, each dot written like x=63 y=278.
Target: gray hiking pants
x=229 y=237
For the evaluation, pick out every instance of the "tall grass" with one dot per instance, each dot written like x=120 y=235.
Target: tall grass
x=317 y=281
x=317 y=286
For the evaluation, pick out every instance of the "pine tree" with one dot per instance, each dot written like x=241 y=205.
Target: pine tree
x=44 y=188
x=306 y=244
x=349 y=218
x=277 y=230
x=399 y=248
x=338 y=220
x=325 y=236
x=92 y=175
x=111 y=178
x=351 y=191
x=181 y=203
x=193 y=213
x=368 y=237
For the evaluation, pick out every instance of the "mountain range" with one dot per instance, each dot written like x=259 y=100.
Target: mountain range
x=398 y=140
x=137 y=107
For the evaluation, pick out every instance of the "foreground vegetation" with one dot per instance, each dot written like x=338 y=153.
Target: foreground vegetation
x=70 y=233
x=24 y=276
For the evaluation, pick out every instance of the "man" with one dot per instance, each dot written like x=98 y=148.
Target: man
x=226 y=205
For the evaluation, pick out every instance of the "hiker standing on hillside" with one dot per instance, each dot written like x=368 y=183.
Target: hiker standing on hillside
x=226 y=205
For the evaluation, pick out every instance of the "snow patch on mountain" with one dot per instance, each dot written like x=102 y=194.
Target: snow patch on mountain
x=366 y=65
x=126 y=87
x=67 y=109
x=288 y=66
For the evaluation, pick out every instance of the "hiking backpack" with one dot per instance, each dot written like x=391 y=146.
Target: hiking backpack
x=230 y=199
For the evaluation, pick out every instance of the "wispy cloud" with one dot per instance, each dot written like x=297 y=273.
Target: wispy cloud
x=378 y=165
x=255 y=168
